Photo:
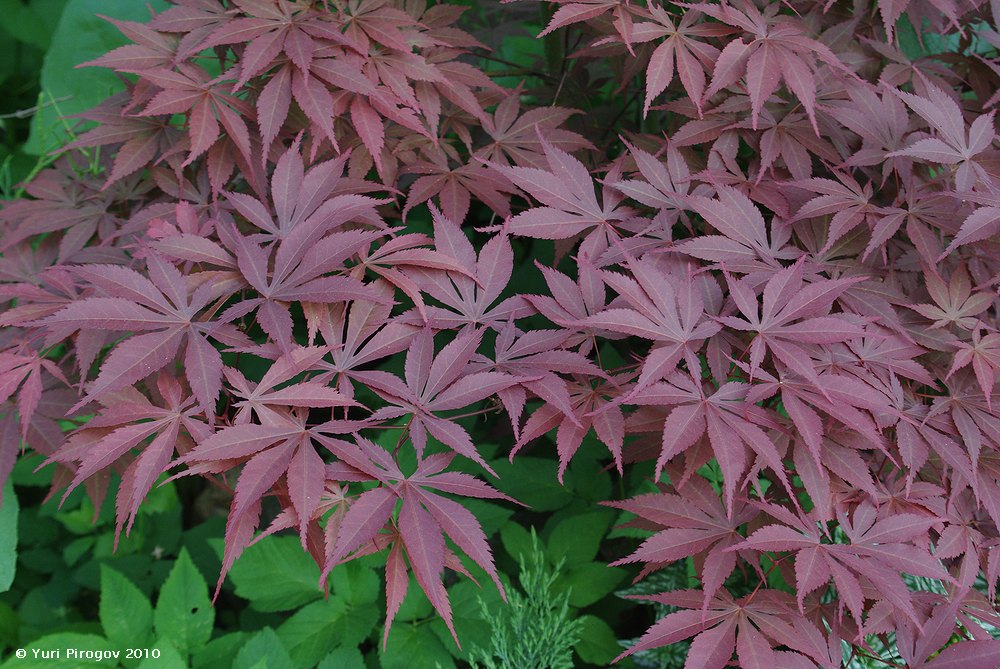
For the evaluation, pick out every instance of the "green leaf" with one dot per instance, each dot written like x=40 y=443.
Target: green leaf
x=77 y=548
x=80 y=36
x=355 y=583
x=264 y=645
x=79 y=520
x=32 y=23
x=414 y=646
x=343 y=658
x=45 y=606
x=532 y=481
x=474 y=630
x=24 y=473
x=490 y=515
x=205 y=544
x=10 y=624
x=415 y=605
x=183 y=612
x=909 y=41
x=516 y=541
x=8 y=536
x=318 y=628
x=275 y=574
x=219 y=651
x=527 y=53
x=589 y=582
x=586 y=476
x=126 y=614
x=598 y=643
x=162 y=497
x=170 y=658
x=578 y=538
x=58 y=648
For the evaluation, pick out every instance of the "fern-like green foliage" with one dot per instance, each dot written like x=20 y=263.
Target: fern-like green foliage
x=536 y=630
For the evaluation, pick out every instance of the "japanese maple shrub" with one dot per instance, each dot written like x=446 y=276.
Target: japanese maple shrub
x=774 y=285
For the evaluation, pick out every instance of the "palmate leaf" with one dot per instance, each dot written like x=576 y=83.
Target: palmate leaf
x=455 y=188
x=566 y=190
x=746 y=627
x=845 y=201
x=269 y=28
x=279 y=458
x=397 y=259
x=984 y=354
x=535 y=356
x=111 y=436
x=592 y=407
x=980 y=225
x=264 y=400
x=300 y=274
x=570 y=302
x=877 y=553
x=435 y=383
x=779 y=50
x=693 y=522
x=358 y=335
x=792 y=317
x=680 y=52
x=732 y=426
x=424 y=519
x=744 y=244
x=162 y=307
x=145 y=138
x=209 y=104
x=516 y=137
x=468 y=295
x=664 y=308
x=956 y=146
x=22 y=374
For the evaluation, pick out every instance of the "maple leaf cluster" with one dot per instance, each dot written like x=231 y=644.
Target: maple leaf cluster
x=786 y=269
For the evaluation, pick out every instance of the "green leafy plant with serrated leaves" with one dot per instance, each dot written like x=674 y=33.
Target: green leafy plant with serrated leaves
x=135 y=633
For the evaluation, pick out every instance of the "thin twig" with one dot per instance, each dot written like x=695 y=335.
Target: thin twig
x=31 y=111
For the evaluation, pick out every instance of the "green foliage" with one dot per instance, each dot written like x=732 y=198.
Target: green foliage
x=319 y=628
x=8 y=536
x=412 y=646
x=125 y=613
x=343 y=658
x=149 y=587
x=184 y=613
x=576 y=539
x=536 y=629
x=264 y=650
x=81 y=35
x=25 y=36
x=31 y=23
x=169 y=658
x=220 y=651
x=597 y=644
x=573 y=543
x=532 y=481
x=276 y=575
